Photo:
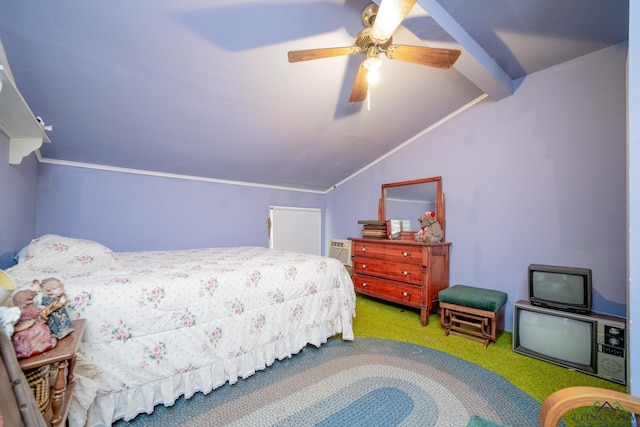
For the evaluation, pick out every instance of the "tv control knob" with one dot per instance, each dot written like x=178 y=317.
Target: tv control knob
x=614 y=341
x=614 y=331
x=611 y=366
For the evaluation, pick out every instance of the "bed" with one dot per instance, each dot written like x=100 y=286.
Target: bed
x=165 y=324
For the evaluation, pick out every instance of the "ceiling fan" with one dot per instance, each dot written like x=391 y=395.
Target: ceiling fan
x=380 y=23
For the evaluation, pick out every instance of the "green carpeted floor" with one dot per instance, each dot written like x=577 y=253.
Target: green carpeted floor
x=376 y=319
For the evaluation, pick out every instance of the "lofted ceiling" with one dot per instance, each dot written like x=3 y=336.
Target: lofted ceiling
x=203 y=88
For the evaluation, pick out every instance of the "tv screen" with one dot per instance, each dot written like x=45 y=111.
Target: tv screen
x=563 y=338
x=563 y=288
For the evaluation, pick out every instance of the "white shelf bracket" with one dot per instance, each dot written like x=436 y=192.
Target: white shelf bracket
x=19 y=148
x=16 y=119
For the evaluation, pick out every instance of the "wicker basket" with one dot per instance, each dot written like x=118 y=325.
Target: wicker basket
x=38 y=380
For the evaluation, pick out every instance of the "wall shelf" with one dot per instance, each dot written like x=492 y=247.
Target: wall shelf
x=16 y=119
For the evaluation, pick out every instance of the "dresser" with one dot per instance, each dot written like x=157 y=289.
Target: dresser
x=401 y=271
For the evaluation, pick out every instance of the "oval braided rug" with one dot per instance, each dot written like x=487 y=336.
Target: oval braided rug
x=367 y=382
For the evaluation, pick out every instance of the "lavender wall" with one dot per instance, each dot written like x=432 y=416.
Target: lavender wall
x=538 y=177
x=18 y=195
x=129 y=212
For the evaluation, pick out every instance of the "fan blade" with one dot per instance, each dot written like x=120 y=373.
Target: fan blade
x=430 y=56
x=390 y=15
x=306 y=55
x=360 y=87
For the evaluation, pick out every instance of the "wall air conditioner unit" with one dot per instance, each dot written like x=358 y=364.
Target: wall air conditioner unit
x=340 y=250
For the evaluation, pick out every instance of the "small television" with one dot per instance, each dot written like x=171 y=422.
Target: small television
x=560 y=288
x=590 y=343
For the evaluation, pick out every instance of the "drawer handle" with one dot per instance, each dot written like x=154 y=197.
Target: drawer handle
x=364 y=285
x=364 y=249
x=405 y=273
x=405 y=253
x=364 y=265
x=406 y=294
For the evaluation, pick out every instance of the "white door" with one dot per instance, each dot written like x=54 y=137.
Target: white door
x=295 y=229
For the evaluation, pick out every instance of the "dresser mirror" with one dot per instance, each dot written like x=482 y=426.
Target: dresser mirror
x=403 y=202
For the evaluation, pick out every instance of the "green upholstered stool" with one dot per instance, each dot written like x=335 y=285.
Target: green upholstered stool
x=473 y=313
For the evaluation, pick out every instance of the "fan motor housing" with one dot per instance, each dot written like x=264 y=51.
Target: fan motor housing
x=364 y=40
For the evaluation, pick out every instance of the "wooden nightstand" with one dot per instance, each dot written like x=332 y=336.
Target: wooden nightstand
x=64 y=356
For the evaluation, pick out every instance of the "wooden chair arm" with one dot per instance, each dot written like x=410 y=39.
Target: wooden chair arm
x=12 y=378
x=562 y=401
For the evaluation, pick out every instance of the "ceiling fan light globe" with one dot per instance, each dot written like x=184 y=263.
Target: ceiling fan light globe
x=373 y=76
x=372 y=63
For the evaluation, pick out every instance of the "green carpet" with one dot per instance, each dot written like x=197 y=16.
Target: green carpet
x=376 y=319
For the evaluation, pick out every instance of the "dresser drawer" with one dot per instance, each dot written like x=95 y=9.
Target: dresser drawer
x=410 y=273
x=389 y=290
x=410 y=254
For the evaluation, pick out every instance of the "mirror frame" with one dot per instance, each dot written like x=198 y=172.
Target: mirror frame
x=439 y=202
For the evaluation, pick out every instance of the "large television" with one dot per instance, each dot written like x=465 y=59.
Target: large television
x=593 y=344
x=561 y=288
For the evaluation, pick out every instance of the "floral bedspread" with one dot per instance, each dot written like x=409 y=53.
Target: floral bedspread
x=169 y=323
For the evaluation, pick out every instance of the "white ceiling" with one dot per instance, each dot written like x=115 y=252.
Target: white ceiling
x=203 y=87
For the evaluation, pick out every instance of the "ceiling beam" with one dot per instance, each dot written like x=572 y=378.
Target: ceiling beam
x=474 y=62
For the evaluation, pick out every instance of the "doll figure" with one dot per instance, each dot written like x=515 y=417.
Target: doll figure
x=31 y=335
x=54 y=310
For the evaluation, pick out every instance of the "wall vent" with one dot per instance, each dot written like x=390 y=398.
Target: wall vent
x=340 y=250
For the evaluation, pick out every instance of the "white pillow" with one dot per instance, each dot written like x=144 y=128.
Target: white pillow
x=61 y=253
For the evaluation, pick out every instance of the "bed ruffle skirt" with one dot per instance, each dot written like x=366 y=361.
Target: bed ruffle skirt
x=129 y=402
